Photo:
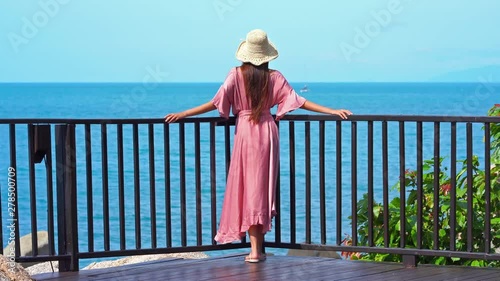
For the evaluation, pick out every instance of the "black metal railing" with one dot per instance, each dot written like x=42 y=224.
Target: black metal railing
x=140 y=186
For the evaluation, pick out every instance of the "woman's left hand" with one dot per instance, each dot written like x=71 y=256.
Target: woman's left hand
x=343 y=113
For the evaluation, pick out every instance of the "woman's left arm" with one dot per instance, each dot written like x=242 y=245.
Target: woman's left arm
x=311 y=106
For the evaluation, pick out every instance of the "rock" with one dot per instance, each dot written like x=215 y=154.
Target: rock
x=144 y=258
x=12 y=271
x=46 y=267
x=26 y=249
x=313 y=253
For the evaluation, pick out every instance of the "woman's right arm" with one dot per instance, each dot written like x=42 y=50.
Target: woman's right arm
x=206 y=107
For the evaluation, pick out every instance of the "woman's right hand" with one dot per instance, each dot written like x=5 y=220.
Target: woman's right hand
x=173 y=117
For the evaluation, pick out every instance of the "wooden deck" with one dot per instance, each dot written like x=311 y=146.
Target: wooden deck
x=275 y=268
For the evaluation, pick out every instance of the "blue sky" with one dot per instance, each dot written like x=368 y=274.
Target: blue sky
x=195 y=40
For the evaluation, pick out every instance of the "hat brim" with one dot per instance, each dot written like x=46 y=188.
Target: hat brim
x=243 y=55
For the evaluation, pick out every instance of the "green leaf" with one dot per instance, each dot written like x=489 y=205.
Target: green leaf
x=381 y=257
x=475 y=263
x=412 y=197
x=440 y=261
x=376 y=211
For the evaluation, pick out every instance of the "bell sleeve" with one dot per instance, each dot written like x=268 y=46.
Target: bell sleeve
x=223 y=98
x=287 y=99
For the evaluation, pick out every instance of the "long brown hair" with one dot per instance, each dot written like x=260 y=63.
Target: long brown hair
x=256 y=87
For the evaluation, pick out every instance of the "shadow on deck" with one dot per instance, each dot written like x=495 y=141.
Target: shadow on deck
x=274 y=268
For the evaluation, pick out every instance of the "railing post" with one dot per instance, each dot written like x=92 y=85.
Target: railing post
x=410 y=261
x=66 y=196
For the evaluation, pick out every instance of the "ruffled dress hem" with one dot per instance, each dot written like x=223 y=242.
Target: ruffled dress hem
x=224 y=238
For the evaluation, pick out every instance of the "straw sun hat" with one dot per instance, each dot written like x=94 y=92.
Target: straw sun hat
x=256 y=49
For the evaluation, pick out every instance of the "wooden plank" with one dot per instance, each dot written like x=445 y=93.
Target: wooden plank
x=491 y=277
x=212 y=268
x=82 y=273
x=276 y=268
x=170 y=271
x=361 y=270
x=448 y=272
x=431 y=273
x=233 y=267
x=55 y=276
x=183 y=273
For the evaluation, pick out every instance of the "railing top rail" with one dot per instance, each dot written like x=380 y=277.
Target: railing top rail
x=301 y=117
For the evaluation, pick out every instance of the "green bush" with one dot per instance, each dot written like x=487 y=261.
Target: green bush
x=444 y=217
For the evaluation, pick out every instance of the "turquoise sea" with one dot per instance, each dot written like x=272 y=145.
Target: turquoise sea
x=116 y=100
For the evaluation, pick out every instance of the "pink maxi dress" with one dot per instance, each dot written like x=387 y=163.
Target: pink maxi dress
x=251 y=182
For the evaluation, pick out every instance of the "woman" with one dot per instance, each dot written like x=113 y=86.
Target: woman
x=251 y=90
